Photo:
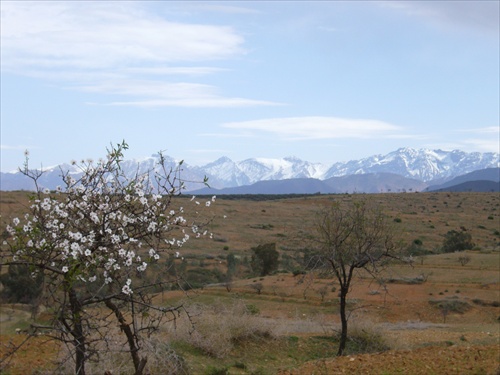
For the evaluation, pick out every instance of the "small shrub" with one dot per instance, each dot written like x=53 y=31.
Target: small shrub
x=162 y=359
x=293 y=339
x=257 y=287
x=397 y=220
x=457 y=241
x=252 y=309
x=364 y=337
x=464 y=259
x=481 y=302
x=455 y=306
x=240 y=365
x=219 y=327
x=299 y=272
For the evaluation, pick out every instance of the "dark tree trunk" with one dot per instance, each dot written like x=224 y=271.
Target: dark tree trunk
x=343 y=320
x=139 y=363
x=77 y=332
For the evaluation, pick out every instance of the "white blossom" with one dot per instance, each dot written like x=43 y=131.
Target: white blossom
x=126 y=288
x=142 y=267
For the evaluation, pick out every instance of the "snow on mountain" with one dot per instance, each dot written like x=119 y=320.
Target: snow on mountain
x=260 y=169
x=422 y=164
x=224 y=172
x=425 y=165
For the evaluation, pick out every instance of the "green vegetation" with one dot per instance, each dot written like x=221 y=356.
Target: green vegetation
x=294 y=319
x=457 y=241
x=265 y=259
x=21 y=284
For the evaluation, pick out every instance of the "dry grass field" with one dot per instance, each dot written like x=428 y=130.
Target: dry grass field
x=434 y=316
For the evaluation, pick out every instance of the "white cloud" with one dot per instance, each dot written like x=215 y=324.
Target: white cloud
x=108 y=48
x=198 y=102
x=103 y=35
x=230 y=9
x=481 y=145
x=486 y=139
x=484 y=130
x=175 y=70
x=166 y=94
x=302 y=128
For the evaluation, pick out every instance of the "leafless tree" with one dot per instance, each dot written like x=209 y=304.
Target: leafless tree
x=350 y=238
x=257 y=287
x=464 y=259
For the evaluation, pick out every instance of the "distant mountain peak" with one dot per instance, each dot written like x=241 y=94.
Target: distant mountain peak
x=423 y=165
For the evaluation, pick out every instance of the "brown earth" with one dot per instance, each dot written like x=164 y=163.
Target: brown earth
x=423 y=339
x=35 y=355
x=422 y=361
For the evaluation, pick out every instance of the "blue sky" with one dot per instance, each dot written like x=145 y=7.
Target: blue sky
x=322 y=81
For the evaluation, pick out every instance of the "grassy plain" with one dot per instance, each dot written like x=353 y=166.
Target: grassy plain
x=434 y=303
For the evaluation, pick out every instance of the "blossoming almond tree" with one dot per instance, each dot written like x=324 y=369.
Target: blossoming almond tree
x=94 y=241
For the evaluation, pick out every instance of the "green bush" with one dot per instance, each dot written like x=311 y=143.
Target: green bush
x=298 y=272
x=199 y=277
x=265 y=259
x=20 y=284
x=457 y=241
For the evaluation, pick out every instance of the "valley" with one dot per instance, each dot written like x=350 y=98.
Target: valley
x=430 y=315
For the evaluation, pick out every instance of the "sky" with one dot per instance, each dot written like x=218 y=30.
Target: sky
x=324 y=81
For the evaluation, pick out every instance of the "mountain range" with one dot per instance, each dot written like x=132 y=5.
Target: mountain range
x=405 y=169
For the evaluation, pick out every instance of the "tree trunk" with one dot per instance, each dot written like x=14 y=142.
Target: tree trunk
x=343 y=320
x=77 y=332
x=139 y=363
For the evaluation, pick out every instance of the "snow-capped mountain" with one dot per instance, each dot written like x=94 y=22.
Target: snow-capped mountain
x=224 y=172
x=228 y=173
x=423 y=165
